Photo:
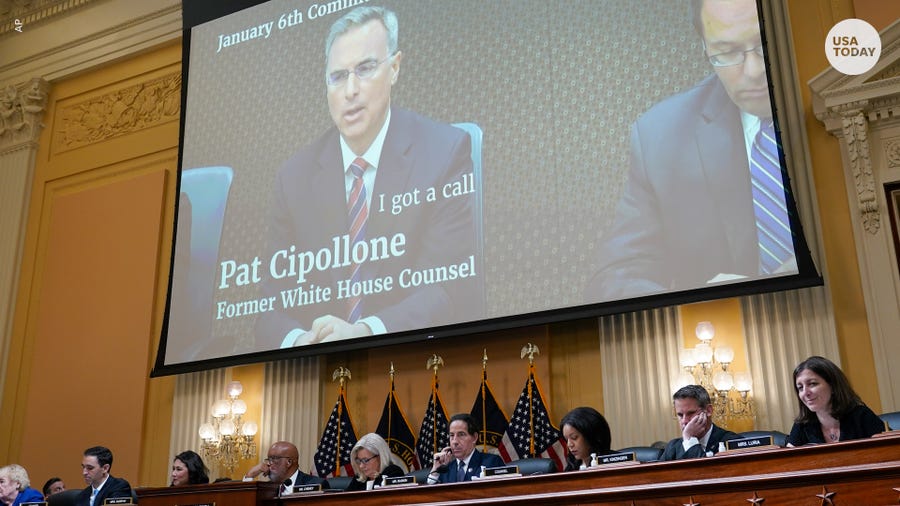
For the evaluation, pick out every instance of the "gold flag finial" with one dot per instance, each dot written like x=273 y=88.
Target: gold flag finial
x=530 y=351
x=484 y=360
x=392 y=370
x=435 y=362
x=341 y=373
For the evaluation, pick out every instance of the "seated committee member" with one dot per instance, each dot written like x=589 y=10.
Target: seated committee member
x=700 y=437
x=371 y=460
x=829 y=408
x=461 y=461
x=338 y=193
x=95 y=466
x=687 y=216
x=53 y=486
x=15 y=488
x=586 y=432
x=188 y=469
x=281 y=466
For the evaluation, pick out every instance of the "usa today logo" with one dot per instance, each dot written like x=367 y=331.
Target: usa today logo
x=853 y=47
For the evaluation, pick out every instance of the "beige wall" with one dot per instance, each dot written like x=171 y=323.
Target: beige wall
x=101 y=217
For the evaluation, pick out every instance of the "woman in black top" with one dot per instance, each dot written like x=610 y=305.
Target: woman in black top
x=830 y=410
x=371 y=461
x=586 y=432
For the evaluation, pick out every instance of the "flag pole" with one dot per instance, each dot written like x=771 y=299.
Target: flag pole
x=484 y=360
x=530 y=350
x=391 y=403
x=342 y=374
x=435 y=362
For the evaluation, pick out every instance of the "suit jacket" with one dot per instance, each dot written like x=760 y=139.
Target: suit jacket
x=390 y=471
x=310 y=210
x=114 y=487
x=675 y=450
x=686 y=214
x=27 y=495
x=475 y=463
x=858 y=423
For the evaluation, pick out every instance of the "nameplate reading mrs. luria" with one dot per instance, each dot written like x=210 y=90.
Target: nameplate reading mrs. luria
x=118 y=500
x=617 y=458
x=748 y=443
x=302 y=489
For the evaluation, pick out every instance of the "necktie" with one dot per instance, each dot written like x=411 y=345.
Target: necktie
x=772 y=226
x=461 y=471
x=93 y=495
x=358 y=212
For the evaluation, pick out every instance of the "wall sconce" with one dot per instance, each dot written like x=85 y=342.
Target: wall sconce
x=228 y=439
x=708 y=366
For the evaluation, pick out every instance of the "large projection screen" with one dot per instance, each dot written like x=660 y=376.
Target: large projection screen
x=543 y=160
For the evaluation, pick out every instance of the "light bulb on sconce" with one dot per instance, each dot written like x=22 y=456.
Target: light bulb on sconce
x=228 y=439
x=708 y=366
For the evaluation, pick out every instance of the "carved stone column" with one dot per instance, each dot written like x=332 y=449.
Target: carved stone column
x=21 y=112
x=863 y=113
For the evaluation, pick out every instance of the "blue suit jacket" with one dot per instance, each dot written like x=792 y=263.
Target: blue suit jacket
x=310 y=209
x=475 y=463
x=675 y=449
x=686 y=214
x=114 y=487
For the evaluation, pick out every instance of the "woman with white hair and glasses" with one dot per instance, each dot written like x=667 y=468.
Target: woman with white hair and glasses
x=371 y=460
x=15 y=487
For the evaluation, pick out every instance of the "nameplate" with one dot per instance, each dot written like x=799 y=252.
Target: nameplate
x=617 y=458
x=501 y=471
x=199 y=504
x=395 y=481
x=35 y=503
x=305 y=489
x=748 y=443
x=118 y=500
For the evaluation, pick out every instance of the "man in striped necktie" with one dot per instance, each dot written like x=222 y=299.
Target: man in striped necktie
x=383 y=246
x=705 y=200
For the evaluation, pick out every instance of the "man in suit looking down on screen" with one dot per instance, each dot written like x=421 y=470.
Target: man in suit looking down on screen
x=696 y=205
x=365 y=208
x=95 y=466
x=461 y=460
x=700 y=437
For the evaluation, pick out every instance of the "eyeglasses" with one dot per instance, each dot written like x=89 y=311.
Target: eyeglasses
x=732 y=58
x=361 y=462
x=270 y=460
x=363 y=71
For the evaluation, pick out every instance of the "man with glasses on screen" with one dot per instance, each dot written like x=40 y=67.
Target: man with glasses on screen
x=282 y=464
x=704 y=201
x=380 y=174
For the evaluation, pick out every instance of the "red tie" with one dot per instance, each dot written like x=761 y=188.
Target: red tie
x=358 y=213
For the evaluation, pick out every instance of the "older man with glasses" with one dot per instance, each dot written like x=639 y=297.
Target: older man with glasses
x=281 y=466
x=704 y=202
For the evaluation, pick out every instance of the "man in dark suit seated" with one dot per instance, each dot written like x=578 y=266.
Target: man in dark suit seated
x=461 y=461
x=700 y=437
x=95 y=466
x=280 y=465
x=699 y=206
x=371 y=195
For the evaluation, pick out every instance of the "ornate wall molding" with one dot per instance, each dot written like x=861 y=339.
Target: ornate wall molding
x=892 y=152
x=856 y=136
x=15 y=14
x=120 y=112
x=21 y=111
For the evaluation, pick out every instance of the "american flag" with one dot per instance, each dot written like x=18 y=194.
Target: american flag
x=488 y=413
x=433 y=436
x=531 y=433
x=337 y=440
x=395 y=429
